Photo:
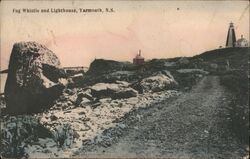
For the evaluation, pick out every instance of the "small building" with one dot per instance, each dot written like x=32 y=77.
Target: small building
x=242 y=42
x=138 y=59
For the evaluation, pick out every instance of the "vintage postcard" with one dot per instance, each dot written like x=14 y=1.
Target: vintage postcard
x=124 y=79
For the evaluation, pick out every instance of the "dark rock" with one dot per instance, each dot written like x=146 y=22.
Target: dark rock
x=76 y=135
x=85 y=95
x=86 y=142
x=125 y=93
x=83 y=98
x=32 y=82
x=137 y=86
x=53 y=117
x=69 y=91
x=52 y=72
x=81 y=113
x=105 y=93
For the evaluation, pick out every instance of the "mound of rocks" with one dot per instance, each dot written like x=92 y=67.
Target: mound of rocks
x=156 y=83
x=34 y=78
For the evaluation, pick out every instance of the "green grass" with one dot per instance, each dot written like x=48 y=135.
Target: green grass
x=237 y=83
x=235 y=79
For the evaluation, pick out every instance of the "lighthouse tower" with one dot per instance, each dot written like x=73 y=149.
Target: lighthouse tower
x=231 y=38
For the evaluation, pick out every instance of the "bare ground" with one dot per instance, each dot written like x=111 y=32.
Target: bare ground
x=191 y=126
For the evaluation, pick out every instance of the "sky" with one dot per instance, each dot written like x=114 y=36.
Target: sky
x=161 y=29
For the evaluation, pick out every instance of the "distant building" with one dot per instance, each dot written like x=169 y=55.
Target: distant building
x=231 y=38
x=242 y=42
x=138 y=59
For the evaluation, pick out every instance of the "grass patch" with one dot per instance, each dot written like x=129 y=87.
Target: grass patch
x=237 y=83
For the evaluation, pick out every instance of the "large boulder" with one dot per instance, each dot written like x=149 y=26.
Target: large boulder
x=33 y=80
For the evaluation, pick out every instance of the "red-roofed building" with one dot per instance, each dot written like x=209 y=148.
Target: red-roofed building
x=138 y=59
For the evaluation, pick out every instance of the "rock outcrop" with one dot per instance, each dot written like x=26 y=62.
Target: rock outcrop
x=101 y=66
x=33 y=80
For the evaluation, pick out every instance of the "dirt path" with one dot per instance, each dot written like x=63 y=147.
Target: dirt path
x=192 y=126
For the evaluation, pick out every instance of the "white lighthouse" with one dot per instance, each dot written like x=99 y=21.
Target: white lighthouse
x=231 y=38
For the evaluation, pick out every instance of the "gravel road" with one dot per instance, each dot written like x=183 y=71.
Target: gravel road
x=191 y=126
